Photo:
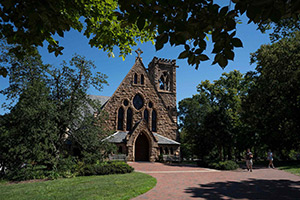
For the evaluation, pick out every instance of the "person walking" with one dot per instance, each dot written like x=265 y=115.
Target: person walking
x=249 y=158
x=270 y=159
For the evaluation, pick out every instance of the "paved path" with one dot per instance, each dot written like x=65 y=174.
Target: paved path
x=188 y=182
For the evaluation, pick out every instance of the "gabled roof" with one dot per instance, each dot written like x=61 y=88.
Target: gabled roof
x=119 y=137
x=101 y=99
x=165 y=140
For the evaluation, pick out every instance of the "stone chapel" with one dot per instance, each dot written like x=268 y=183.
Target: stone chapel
x=142 y=111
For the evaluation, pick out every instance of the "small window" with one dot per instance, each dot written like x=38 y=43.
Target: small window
x=120 y=119
x=138 y=102
x=125 y=102
x=146 y=115
x=154 y=120
x=135 y=79
x=120 y=149
x=129 y=120
x=142 y=79
x=150 y=104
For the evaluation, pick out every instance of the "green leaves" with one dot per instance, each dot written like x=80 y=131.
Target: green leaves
x=237 y=42
x=123 y=23
x=272 y=106
x=211 y=119
x=50 y=103
x=183 y=55
x=160 y=41
x=203 y=57
x=3 y=71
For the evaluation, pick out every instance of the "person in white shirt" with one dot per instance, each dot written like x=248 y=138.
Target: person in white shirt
x=270 y=159
x=249 y=162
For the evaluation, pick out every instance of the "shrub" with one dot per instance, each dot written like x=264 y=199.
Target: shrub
x=27 y=172
x=104 y=168
x=67 y=167
x=224 y=165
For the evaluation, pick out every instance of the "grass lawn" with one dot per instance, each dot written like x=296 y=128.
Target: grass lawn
x=122 y=186
x=294 y=169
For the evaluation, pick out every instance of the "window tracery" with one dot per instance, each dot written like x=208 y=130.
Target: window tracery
x=164 y=81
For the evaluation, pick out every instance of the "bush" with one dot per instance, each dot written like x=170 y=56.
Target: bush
x=104 y=168
x=224 y=165
x=27 y=172
x=68 y=168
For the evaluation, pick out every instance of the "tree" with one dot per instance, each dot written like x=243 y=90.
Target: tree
x=29 y=23
x=52 y=111
x=272 y=106
x=212 y=118
x=192 y=112
x=111 y=23
x=31 y=131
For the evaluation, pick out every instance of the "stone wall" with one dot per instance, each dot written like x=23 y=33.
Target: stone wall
x=166 y=125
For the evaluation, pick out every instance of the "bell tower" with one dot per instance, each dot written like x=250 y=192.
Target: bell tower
x=162 y=73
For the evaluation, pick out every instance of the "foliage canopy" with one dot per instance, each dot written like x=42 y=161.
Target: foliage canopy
x=110 y=23
x=53 y=117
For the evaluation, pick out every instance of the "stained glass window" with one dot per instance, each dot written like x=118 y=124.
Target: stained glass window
x=120 y=118
x=135 y=79
x=154 y=120
x=138 y=102
x=129 y=120
x=142 y=79
x=146 y=115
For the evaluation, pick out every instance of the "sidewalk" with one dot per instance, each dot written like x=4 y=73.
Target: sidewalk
x=190 y=182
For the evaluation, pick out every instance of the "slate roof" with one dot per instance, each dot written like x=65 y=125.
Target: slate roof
x=101 y=99
x=119 y=137
x=165 y=140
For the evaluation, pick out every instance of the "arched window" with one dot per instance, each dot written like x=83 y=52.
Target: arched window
x=142 y=79
x=166 y=150
x=167 y=84
x=164 y=81
x=135 y=79
x=129 y=120
x=154 y=120
x=146 y=115
x=138 y=102
x=161 y=83
x=120 y=119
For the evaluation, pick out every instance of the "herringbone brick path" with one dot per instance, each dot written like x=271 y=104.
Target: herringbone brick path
x=188 y=182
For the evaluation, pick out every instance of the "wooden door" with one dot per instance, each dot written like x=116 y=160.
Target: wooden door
x=142 y=148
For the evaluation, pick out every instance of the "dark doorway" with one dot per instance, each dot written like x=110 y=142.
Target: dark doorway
x=142 y=148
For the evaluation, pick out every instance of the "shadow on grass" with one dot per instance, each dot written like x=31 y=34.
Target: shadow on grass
x=250 y=189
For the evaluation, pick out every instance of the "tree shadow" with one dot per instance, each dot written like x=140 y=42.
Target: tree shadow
x=249 y=189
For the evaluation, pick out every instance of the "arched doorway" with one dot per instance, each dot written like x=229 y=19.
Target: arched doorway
x=142 y=148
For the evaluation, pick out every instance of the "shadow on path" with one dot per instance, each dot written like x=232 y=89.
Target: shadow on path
x=248 y=189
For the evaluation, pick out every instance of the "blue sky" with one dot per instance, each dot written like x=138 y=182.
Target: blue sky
x=187 y=76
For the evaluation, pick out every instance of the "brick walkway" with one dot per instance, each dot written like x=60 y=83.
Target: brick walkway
x=188 y=182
